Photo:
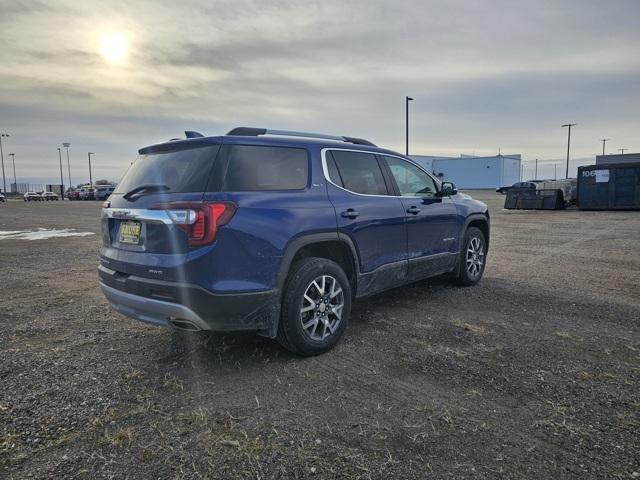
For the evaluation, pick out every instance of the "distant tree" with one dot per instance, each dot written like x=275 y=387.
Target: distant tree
x=102 y=182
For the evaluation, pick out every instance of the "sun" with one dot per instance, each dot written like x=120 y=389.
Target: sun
x=113 y=46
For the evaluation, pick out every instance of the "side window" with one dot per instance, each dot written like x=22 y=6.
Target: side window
x=252 y=168
x=360 y=172
x=411 y=181
x=332 y=169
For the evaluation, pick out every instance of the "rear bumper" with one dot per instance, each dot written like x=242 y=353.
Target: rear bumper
x=187 y=306
x=151 y=311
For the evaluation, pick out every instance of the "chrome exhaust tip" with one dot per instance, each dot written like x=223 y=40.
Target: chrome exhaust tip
x=183 y=324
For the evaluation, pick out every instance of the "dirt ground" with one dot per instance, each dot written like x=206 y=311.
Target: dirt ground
x=534 y=373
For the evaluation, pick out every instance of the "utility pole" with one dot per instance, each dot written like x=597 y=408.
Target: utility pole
x=61 y=180
x=555 y=171
x=67 y=145
x=536 y=169
x=568 y=145
x=4 y=181
x=604 y=141
x=622 y=150
x=90 y=177
x=15 y=182
x=406 y=123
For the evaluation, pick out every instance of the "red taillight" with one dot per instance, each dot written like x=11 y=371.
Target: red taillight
x=200 y=221
x=199 y=228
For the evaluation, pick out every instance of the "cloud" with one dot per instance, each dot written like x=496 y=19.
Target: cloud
x=485 y=75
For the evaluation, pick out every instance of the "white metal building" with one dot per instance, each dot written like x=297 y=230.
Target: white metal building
x=469 y=171
x=609 y=159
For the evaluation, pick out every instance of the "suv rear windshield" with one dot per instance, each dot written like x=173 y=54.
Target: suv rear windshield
x=182 y=171
x=254 y=168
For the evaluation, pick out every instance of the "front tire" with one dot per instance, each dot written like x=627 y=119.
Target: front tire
x=315 y=307
x=472 y=259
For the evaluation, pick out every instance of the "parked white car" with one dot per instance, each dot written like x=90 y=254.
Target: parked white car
x=49 y=196
x=32 y=197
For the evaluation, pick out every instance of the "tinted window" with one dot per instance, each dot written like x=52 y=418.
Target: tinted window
x=182 y=171
x=265 y=168
x=411 y=181
x=360 y=172
x=332 y=169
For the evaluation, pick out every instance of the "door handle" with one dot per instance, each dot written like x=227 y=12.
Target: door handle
x=350 y=213
x=413 y=210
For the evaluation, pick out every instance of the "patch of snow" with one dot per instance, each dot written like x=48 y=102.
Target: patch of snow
x=41 y=234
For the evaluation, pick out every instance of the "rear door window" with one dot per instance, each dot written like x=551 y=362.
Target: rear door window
x=255 y=168
x=181 y=171
x=358 y=172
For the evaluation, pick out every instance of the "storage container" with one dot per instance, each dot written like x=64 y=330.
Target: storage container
x=609 y=187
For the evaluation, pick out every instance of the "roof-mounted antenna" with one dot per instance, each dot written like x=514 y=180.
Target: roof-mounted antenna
x=192 y=134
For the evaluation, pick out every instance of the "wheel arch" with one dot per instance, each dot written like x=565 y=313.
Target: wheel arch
x=331 y=245
x=317 y=245
x=478 y=220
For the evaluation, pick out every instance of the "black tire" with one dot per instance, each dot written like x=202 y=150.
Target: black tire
x=291 y=333
x=465 y=274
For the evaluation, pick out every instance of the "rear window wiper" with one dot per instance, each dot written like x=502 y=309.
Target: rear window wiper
x=146 y=188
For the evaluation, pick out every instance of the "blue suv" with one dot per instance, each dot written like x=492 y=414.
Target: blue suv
x=279 y=232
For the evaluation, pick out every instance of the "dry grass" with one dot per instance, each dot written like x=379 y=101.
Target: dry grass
x=8 y=441
x=173 y=383
x=120 y=437
x=468 y=327
x=584 y=376
x=567 y=335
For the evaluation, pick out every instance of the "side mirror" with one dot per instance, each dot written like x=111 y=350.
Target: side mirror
x=448 y=189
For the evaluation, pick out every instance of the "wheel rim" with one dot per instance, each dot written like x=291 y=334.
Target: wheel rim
x=322 y=305
x=475 y=257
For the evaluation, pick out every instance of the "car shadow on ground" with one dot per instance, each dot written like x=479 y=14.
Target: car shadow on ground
x=206 y=349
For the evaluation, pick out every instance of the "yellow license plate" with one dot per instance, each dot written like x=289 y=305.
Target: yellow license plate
x=130 y=232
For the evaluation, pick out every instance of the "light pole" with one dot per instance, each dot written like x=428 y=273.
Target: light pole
x=4 y=181
x=15 y=182
x=90 y=177
x=67 y=145
x=568 y=145
x=61 y=180
x=555 y=171
x=536 y=169
x=622 y=150
x=406 y=122
x=604 y=141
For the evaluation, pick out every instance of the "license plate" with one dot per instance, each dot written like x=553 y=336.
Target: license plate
x=130 y=232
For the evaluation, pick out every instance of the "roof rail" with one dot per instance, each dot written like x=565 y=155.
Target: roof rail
x=253 y=132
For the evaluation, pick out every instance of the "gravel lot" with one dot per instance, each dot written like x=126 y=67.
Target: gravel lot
x=534 y=373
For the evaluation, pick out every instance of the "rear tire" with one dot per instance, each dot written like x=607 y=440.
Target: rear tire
x=473 y=256
x=315 y=307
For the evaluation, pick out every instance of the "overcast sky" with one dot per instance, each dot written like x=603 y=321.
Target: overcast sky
x=111 y=77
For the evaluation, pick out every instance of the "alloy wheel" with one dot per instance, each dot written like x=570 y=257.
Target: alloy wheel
x=475 y=257
x=322 y=305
